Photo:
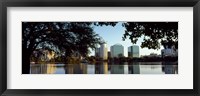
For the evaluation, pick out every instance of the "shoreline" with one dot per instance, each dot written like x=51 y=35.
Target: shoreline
x=109 y=63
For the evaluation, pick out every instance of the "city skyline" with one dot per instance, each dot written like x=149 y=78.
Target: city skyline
x=113 y=35
x=67 y=44
x=116 y=50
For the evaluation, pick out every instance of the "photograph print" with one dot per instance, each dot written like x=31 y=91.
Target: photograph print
x=100 y=47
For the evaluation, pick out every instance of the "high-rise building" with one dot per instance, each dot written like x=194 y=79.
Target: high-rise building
x=97 y=52
x=169 y=51
x=133 y=51
x=104 y=51
x=117 y=50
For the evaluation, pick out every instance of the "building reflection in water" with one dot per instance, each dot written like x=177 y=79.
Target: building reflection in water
x=36 y=69
x=69 y=69
x=134 y=68
x=105 y=68
x=51 y=68
x=76 y=68
x=43 y=69
x=117 y=68
x=90 y=69
x=169 y=68
x=101 y=68
x=126 y=69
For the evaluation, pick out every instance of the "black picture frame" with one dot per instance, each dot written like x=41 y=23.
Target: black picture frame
x=100 y=3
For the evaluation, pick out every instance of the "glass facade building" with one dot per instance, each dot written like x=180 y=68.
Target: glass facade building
x=117 y=50
x=133 y=51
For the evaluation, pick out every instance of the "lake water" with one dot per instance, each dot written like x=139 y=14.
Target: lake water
x=105 y=68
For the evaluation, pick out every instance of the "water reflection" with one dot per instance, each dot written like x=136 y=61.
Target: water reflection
x=105 y=68
x=134 y=68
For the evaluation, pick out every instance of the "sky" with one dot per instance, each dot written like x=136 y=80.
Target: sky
x=113 y=35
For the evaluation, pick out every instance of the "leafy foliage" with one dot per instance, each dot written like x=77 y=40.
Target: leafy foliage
x=154 y=33
x=62 y=37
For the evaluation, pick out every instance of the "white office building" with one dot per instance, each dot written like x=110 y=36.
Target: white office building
x=117 y=50
x=102 y=52
x=169 y=51
x=133 y=51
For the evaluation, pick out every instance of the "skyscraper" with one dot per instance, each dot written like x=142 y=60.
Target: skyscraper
x=133 y=51
x=169 y=51
x=117 y=50
x=97 y=52
x=102 y=52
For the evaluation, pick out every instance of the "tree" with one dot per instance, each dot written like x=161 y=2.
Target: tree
x=62 y=37
x=154 y=33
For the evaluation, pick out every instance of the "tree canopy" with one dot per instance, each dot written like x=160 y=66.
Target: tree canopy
x=61 y=37
x=68 y=37
x=154 y=34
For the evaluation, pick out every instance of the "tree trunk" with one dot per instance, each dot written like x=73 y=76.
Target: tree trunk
x=25 y=61
x=25 y=66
